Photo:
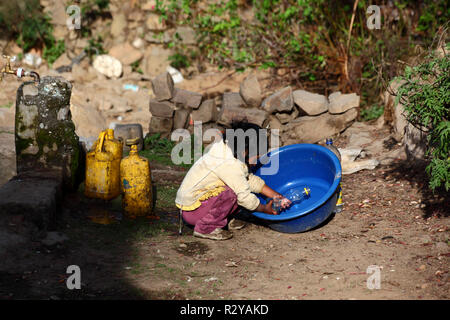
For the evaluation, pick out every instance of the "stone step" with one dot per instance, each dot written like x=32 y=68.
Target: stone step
x=29 y=202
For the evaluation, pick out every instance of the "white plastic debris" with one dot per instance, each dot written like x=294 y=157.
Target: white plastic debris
x=108 y=66
x=211 y=279
x=176 y=75
x=351 y=165
x=32 y=60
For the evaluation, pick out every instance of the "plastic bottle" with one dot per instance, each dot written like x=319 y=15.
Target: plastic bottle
x=294 y=195
x=330 y=146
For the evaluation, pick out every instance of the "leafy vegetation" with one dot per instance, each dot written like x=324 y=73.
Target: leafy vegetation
x=426 y=97
x=309 y=40
x=32 y=28
x=374 y=112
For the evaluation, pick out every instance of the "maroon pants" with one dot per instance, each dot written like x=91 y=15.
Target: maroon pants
x=213 y=212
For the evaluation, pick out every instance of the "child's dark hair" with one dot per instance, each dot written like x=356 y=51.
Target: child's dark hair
x=232 y=139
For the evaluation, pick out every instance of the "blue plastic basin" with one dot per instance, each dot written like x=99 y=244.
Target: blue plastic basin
x=303 y=165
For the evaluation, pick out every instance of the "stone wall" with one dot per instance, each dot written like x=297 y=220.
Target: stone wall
x=300 y=116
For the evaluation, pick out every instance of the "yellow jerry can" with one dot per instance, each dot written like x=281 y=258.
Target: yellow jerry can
x=116 y=148
x=136 y=183
x=102 y=171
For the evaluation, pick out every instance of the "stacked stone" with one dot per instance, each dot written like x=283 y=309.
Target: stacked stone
x=300 y=116
x=319 y=117
x=175 y=108
x=243 y=105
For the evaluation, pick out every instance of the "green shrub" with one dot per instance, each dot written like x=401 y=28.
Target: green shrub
x=309 y=38
x=25 y=21
x=374 y=112
x=426 y=97
x=53 y=52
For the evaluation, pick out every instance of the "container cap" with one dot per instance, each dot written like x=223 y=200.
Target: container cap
x=110 y=133
x=132 y=142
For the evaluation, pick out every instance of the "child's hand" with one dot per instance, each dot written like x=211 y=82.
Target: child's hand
x=267 y=208
x=285 y=202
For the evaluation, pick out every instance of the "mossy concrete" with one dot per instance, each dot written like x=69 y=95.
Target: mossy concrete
x=44 y=132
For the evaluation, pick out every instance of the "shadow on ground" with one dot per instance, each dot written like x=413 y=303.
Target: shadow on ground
x=437 y=203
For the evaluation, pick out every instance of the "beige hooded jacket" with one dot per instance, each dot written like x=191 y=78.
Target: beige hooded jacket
x=209 y=175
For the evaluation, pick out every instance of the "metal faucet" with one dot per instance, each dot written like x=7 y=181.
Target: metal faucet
x=20 y=72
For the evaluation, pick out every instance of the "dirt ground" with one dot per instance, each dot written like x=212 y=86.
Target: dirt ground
x=388 y=221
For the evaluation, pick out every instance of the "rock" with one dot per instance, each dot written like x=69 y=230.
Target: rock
x=10 y=241
x=230 y=113
x=158 y=37
x=340 y=103
x=87 y=143
x=138 y=43
x=35 y=197
x=154 y=22
x=250 y=91
x=136 y=15
x=187 y=98
x=129 y=131
x=180 y=120
x=108 y=66
x=395 y=112
x=7 y=156
x=53 y=238
x=163 y=87
x=60 y=32
x=360 y=139
x=442 y=247
x=156 y=60
x=426 y=239
x=125 y=53
x=149 y=5
x=118 y=25
x=186 y=34
x=163 y=109
x=207 y=112
x=62 y=61
x=313 y=129
x=279 y=101
x=415 y=144
x=161 y=125
x=285 y=117
x=88 y=121
x=232 y=100
x=274 y=123
x=58 y=13
x=310 y=103
x=176 y=74
x=349 y=167
x=45 y=134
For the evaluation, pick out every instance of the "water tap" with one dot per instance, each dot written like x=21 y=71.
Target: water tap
x=19 y=72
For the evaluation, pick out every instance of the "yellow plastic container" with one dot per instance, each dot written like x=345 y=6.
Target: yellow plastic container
x=136 y=184
x=102 y=170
